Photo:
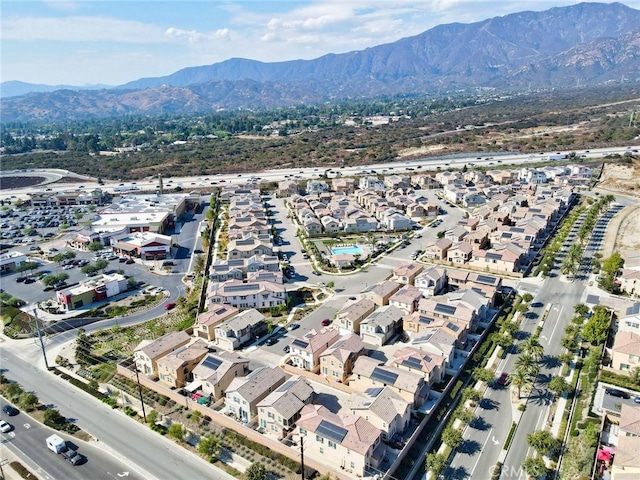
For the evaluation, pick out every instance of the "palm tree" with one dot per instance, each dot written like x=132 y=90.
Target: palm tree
x=531 y=346
x=527 y=364
x=520 y=379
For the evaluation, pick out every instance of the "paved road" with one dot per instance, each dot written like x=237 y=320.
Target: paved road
x=27 y=443
x=141 y=451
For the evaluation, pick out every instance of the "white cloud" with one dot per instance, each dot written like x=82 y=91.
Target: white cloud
x=193 y=36
x=79 y=29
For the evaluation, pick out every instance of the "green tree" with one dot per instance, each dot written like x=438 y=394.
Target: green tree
x=483 y=374
x=526 y=363
x=28 y=401
x=256 y=471
x=101 y=264
x=176 y=431
x=559 y=386
x=209 y=446
x=531 y=346
x=566 y=358
x=26 y=266
x=54 y=419
x=534 y=467
x=544 y=443
x=581 y=309
x=152 y=417
x=452 y=437
x=596 y=328
x=520 y=379
x=436 y=463
x=95 y=246
x=88 y=269
x=527 y=297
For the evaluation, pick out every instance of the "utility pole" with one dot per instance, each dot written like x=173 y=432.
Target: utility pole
x=144 y=414
x=44 y=353
x=302 y=456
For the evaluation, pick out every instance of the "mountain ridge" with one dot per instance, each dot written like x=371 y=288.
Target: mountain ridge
x=587 y=43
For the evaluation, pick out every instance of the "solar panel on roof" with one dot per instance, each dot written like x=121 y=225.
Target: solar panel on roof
x=452 y=327
x=634 y=309
x=412 y=362
x=373 y=392
x=384 y=376
x=212 y=362
x=446 y=309
x=486 y=279
x=300 y=343
x=331 y=431
x=494 y=256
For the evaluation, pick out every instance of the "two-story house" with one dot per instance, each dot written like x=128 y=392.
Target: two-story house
x=349 y=318
x=305 y=352
x=209 y=320
x=381 y=325
x=344 y=442
x=406 y=299
x=244 y=393
x=369 y=373
x=431 y=281
x=175 y=368
x=380 y=293
x=148 y=352
x=384 y=408
x=430 y=365
x=407 y=273
x=337 y=361
x=215 y=372
x=279 y=411
x=241 y=329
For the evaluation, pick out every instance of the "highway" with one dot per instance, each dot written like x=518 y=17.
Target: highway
x=398 y=167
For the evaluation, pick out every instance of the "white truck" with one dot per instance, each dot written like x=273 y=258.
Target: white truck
x=56 y=444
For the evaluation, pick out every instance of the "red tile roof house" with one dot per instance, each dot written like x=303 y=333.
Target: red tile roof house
x=406 y=299
x=305 y=352
x=342 y=442
x=407 y=273
x=370 y=373
x=430 y=365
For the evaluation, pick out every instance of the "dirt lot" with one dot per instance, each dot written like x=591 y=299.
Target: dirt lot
x=626 y=226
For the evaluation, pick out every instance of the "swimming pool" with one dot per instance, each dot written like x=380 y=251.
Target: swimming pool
x=351 y=250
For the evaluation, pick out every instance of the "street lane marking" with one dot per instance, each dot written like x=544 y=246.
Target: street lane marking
x=475 y=465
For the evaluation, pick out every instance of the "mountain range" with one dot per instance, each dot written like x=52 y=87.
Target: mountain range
x=587 y=43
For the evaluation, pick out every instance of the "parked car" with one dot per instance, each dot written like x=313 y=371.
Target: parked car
x=170 y=306
x=10 y=410
x=29 y=280
x=167 y=263
x=503 y=379
x=294 y=326
x=614 y=392
x=326 y=322
x=5 y=427
x=286 y=349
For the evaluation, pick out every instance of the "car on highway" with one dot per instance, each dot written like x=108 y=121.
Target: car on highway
x=170 y=306
x=326 y=322
x=614 y=392
x=10 y=410
x=5 y=427
x=503 y=379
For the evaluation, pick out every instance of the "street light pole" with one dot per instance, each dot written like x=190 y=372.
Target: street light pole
x=44 y=353
x=144 y=414
x=302 y=456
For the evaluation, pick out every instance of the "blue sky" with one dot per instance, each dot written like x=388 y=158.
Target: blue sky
x=78 y=42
